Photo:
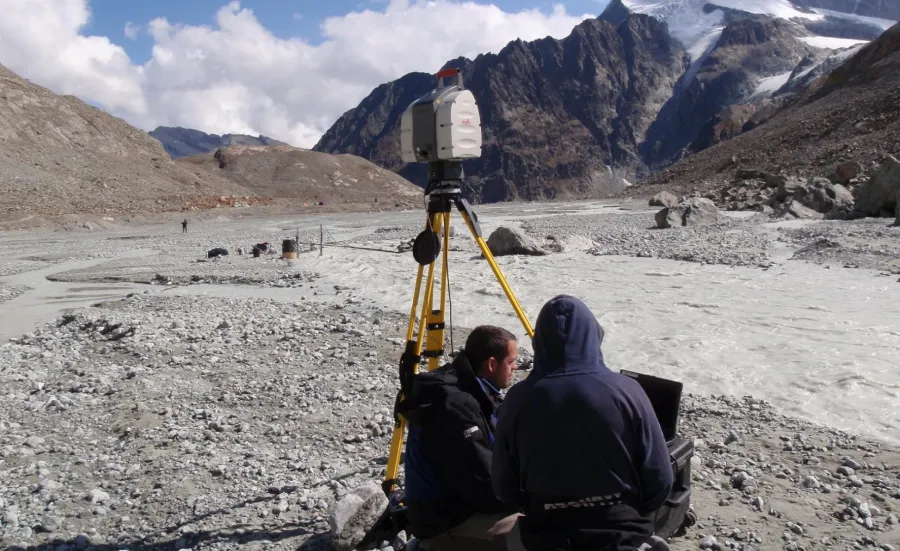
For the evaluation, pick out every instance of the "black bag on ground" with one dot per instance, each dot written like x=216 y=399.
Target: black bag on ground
x=674 y=514
x=219 y=251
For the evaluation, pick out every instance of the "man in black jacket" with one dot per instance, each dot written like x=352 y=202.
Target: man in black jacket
x=578 y=447
x=451 y=413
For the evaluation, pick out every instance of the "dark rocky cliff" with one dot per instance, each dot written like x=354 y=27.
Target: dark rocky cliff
x=560 y=117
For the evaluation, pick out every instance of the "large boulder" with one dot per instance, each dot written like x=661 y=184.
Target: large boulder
x=846 y=171
x=506 y=241
x=878 y=196
x=796 y=210
x=897 y=213
x=787 y=187
x=820 y=195
x=767 y=178
x=693 y=211
x=662 y=219
x=355 y=515
x=663 y=199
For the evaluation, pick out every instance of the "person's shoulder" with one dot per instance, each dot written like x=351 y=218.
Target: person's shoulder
x=443 y=383
x=461 y=399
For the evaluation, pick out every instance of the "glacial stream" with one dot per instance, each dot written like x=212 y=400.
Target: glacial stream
x=822 y=344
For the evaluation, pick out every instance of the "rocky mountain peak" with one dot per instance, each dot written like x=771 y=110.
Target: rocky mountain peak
x=557 y=115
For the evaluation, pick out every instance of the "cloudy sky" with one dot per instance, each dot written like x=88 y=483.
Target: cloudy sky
x=282 y=68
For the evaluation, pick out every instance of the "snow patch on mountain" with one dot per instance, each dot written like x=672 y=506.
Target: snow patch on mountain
x=774 y=8
x=698 y=24
x=769 y=85
x=832 y=43
x=883 y=24
x=697 y=31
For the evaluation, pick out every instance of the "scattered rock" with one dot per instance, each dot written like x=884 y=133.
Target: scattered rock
x=788 y=188
x=355 y=514
x=846 y=171
x=663 y=199
x=506 y=241
x=878 y=196
x=694 y=211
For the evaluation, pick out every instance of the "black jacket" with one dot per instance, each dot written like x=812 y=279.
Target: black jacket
x=574 y=431
x=451 y=415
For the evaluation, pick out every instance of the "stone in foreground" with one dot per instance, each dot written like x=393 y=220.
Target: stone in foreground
x=355 y=514
x=505 y=241
x=695 y=211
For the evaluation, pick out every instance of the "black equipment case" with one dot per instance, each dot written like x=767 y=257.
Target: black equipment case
x=665 y=396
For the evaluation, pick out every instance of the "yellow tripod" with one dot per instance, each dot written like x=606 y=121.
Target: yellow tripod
x=443 y=193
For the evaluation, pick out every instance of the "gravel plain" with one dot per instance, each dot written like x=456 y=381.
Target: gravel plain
x=869 y=243
x=9 y=292
x=194 y=422
x=736 y=242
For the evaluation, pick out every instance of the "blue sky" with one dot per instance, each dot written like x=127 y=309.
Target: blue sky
x=284 y=18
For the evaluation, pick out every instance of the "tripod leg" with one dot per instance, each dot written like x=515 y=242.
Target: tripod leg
x=413 y=350
x=435 y=326
x=471 y=219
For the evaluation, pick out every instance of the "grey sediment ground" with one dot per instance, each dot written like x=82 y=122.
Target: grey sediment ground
x=732 y=241
x=162 y=422
x=9 y=292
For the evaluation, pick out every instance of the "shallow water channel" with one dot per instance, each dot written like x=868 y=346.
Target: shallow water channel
x=822 y=344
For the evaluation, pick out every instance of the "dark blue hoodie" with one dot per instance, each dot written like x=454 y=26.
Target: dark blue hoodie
x=574 y=429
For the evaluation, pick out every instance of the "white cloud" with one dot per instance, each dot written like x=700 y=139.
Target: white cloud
x=131 y=30
x=39 y=39
x=236 y=76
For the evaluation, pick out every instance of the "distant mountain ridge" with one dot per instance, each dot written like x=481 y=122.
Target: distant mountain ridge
x=624 y=95
x=303 y=176
x=60 y=156
x=63 y=160
x=184 y=142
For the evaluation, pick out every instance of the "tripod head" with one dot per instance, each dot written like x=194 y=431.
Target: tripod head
x=444 y=177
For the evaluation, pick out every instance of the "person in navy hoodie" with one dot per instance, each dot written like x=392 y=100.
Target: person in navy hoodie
x=578 y=447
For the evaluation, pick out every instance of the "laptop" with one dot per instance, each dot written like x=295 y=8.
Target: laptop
x=665 y=397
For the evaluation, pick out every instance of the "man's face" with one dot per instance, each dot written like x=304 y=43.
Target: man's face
x=500 y=371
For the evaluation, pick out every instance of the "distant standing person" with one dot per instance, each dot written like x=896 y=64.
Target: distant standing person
x=184 y=226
